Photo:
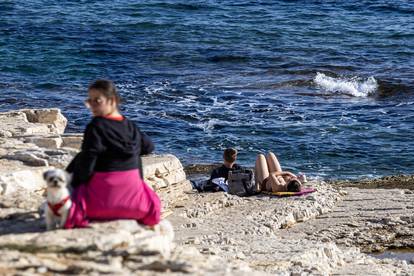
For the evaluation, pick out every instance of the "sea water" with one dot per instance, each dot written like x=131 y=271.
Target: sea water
x=326 y=85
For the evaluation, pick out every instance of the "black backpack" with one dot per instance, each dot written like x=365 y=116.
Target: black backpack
x=241 y=183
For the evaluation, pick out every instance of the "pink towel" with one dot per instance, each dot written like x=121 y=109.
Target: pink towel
x=114 y=195
x=303 y=191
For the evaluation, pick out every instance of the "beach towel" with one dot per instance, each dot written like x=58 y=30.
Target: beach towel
x=304 y=191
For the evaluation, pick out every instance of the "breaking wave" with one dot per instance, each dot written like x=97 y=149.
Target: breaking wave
x=354 y=86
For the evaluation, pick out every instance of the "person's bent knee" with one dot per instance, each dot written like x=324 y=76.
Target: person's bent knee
x=260 y=157
x=270 y=154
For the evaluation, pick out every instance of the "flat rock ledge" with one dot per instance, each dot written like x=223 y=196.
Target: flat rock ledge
x=261 y=232
x=32 y=141
x=116 y=248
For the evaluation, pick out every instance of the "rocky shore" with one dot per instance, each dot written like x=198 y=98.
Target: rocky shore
x=387 y=182
x=333 y=231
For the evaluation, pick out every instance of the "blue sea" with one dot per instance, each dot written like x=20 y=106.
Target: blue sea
x=327 y=85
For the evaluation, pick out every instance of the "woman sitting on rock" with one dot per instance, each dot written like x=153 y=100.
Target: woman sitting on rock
x=271 y=178
x=107 y=172
x=229 y=165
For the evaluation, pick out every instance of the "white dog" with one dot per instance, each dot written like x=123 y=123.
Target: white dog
x=58 y=198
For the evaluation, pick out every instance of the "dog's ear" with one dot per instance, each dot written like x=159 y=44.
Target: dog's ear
x=45 y=174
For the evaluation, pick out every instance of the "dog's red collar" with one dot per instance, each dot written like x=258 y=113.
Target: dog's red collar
x=56 y=207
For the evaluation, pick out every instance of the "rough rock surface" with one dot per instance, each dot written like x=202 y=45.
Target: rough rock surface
x=115 y=248
x=386 y=182
x=324 y=233
x=33 y=141
x=216 y=233
x=166 y=175
x=372 y=219
x=263 y=232
x=32 y=121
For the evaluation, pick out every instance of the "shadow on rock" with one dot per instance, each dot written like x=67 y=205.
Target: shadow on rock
x=22 y=222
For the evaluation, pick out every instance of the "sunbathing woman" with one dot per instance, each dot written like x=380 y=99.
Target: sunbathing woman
x=271 y=178
x=107 y=174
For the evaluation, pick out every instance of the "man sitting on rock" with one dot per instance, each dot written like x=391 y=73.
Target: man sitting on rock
x=229 y=164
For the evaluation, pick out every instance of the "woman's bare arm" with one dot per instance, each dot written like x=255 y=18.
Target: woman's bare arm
x=285 y=173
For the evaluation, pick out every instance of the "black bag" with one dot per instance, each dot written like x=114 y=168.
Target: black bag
x=241 y=183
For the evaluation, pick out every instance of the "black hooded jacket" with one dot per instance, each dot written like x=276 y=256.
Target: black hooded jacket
x=109 y=145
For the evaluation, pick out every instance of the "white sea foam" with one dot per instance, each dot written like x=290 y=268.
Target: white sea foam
x=355 y=86
x=207 y=126
x=406 y=103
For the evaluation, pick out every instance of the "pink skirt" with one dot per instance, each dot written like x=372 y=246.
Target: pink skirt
x=114 y=195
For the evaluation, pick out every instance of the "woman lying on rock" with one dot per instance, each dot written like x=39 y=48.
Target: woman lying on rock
x=107 y=173
x=271 y=178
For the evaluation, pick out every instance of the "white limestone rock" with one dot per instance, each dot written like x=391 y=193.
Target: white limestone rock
x=161 y=171
x=5 y=133
x=15 y=123
x=114 y=236
x=49 y=116
x=53 y=142
x=30 y=158
x=27 y=178
x=31 y=122
x=20 y=170
x=165 y=174
x=72 y=140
